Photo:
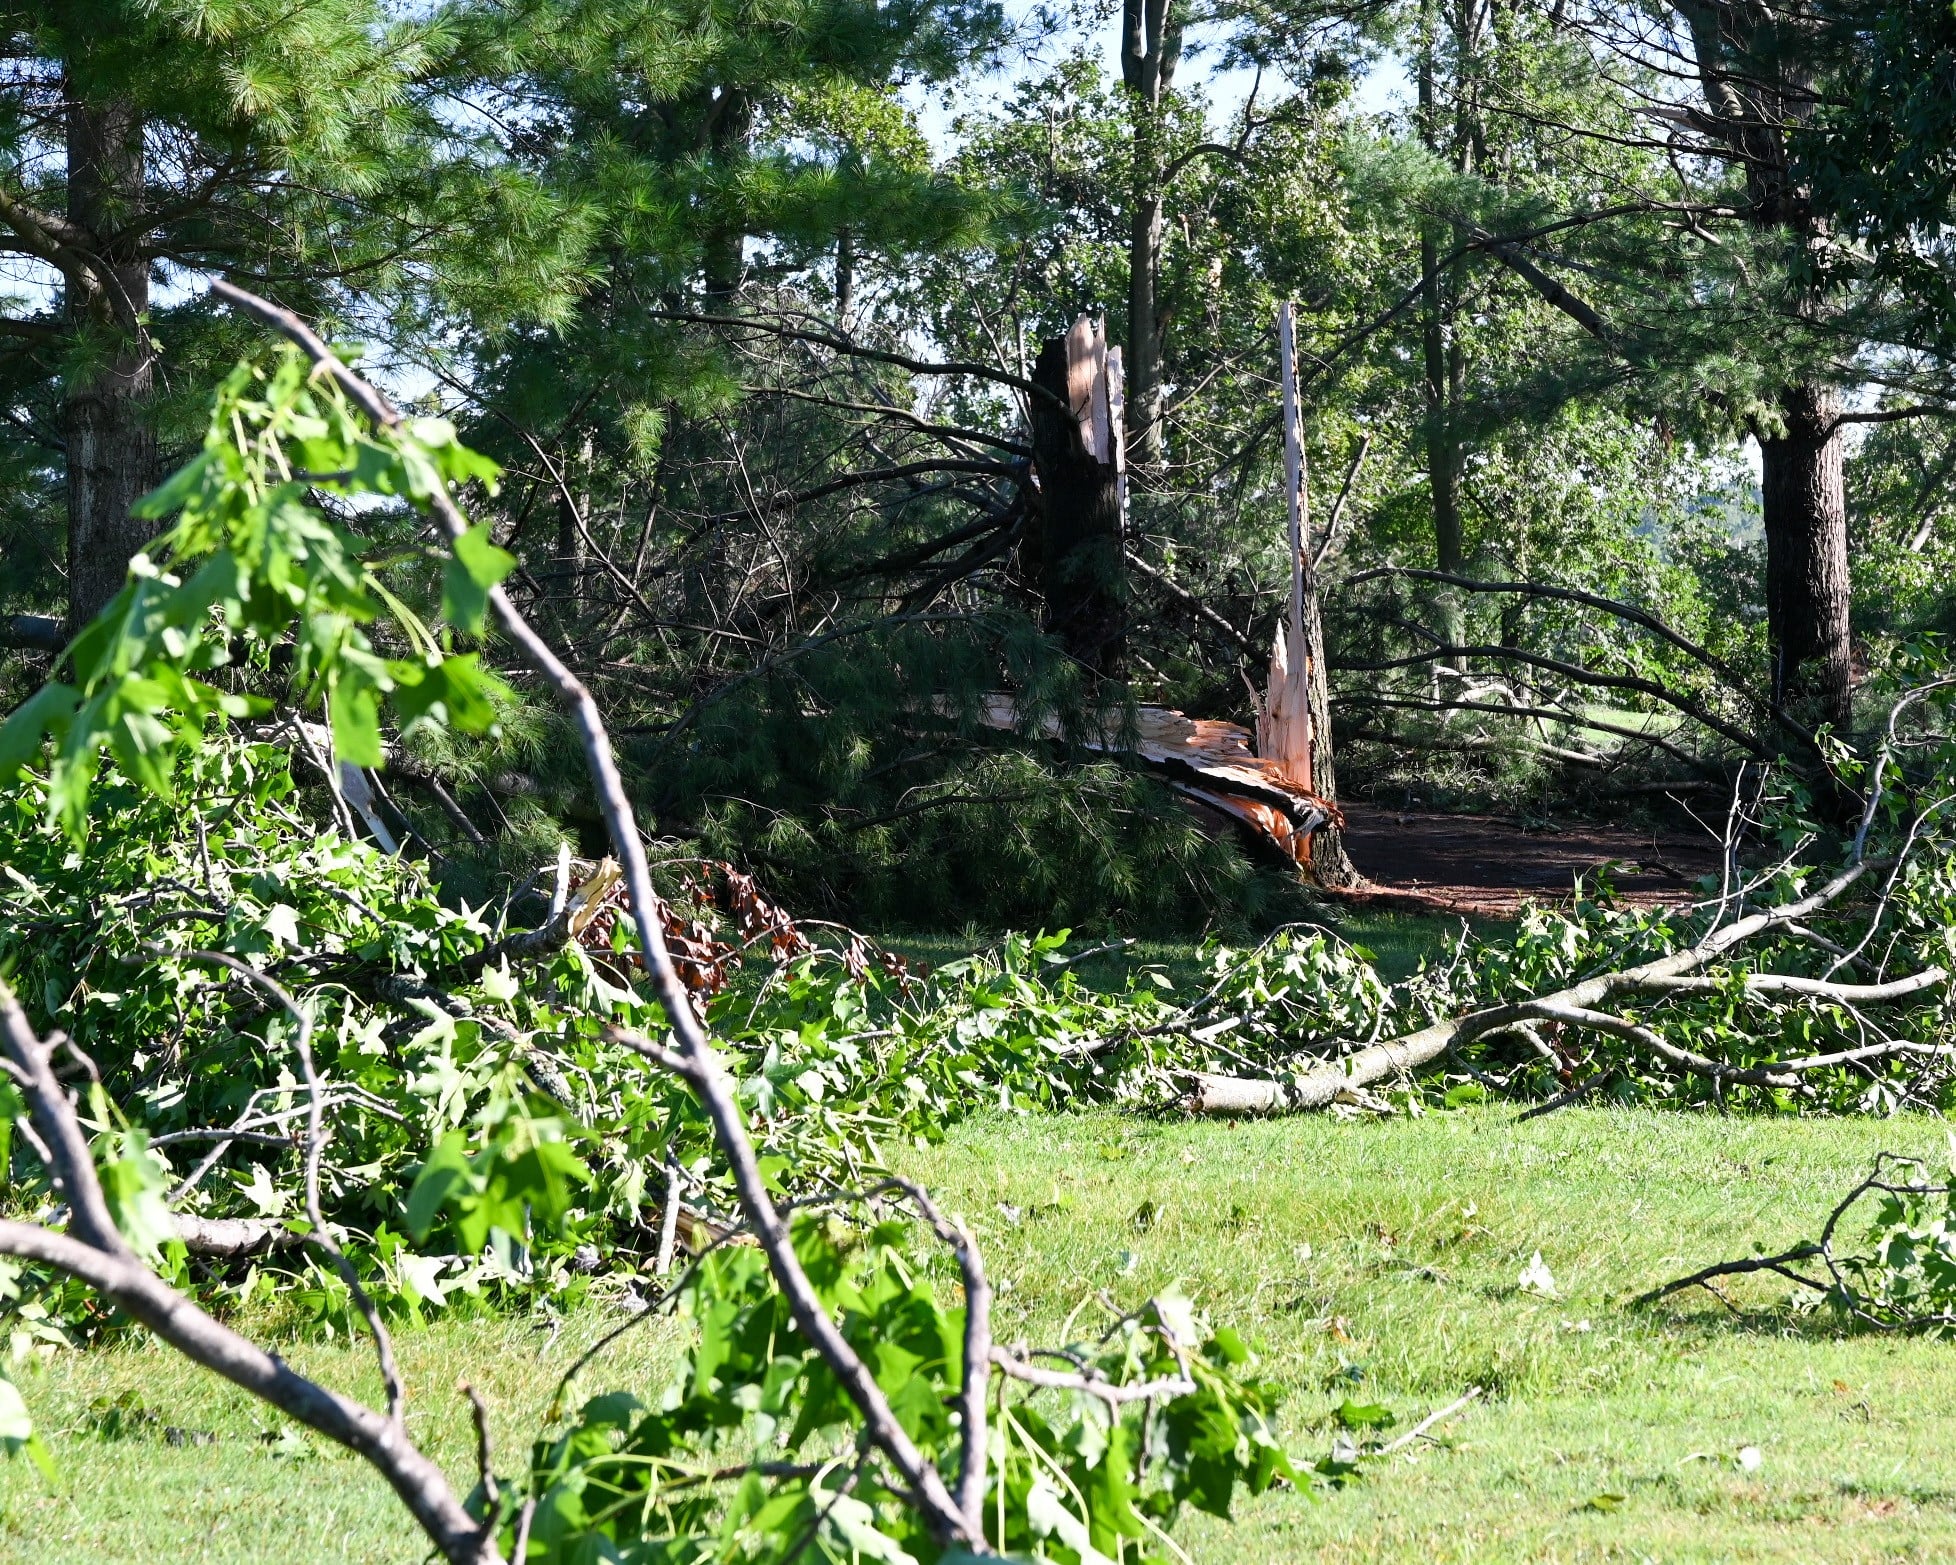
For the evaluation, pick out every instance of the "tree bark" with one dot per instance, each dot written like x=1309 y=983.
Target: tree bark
x=1081 y=574
x=1445 y=364
x=1144 y=326
x=1442 y=450
x=1758 y=86
x=1805 y=511
x=111 y=446
x=1330 y=864
x=1151 y=46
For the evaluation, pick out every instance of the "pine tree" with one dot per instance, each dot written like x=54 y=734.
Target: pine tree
x=302 y=148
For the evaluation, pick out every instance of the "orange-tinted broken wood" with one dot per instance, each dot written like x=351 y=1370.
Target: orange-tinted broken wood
x=1207 y=761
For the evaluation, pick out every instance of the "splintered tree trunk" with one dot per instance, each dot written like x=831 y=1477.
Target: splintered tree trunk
x=1805 y=508
x=1300 y=686
x=1330 y=864
x=1081 y=567
x=111 y=446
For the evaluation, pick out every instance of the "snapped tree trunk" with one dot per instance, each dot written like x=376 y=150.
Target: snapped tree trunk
x=1330 y=864
x=1805 y=512
x=1299 y=687
x=1082 y=577
x=105 y=423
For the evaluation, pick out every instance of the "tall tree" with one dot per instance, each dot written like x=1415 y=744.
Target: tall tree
x=1151 y=48
x=1758 y=69
x=302 y=147
x=105 y=421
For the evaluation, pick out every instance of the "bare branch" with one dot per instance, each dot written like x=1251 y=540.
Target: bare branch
x=1114 y=1395
x=703 y=1068
x=1315 y=1089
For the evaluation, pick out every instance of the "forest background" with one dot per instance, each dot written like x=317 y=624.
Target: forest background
x=516 y=522
x=1570 y=318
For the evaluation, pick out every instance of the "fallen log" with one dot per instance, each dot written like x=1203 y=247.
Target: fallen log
x=233 y=1238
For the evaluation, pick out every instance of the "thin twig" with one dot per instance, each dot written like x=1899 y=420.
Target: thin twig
x=1426 y=1423
x=701 y=1065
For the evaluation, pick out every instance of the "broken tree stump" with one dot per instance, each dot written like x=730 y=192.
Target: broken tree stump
x=1078 y=454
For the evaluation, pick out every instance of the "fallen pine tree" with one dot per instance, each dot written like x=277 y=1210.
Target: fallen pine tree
x=432 y=1100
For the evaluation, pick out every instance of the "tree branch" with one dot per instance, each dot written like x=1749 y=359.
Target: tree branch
x=1233 y=1095
x=99 y=1257
x=701 y=1065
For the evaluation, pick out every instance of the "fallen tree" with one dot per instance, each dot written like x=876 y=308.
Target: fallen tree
x=1760 y=952
x=1575 y=1006
x=943 y=1462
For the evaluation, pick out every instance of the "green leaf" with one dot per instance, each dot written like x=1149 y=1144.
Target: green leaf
x=48 y=711
x=540 y=1177
x=12 y=1107
x=16 y=1423
x=133 y=1183
x=1371 y=1415
x=445 y=1175
x=457 y=692
x=17 y=1436
x=854 y=1525
x=1048 y=1516
x=475 y=566
x=175 y=491
x=456 y=462
x=356 y=722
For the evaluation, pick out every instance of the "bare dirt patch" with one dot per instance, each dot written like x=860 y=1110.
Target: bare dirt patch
x=1488 y=866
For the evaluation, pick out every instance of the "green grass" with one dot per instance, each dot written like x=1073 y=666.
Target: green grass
x=1417 y=1232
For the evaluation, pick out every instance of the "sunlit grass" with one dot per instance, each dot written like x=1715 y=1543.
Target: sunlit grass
x=1376 y=1259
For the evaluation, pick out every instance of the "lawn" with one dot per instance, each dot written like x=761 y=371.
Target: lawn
x=1376 y=1259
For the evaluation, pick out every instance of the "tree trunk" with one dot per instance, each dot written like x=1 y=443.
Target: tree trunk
x=1330 y=865
x=1804 y=501
x=1151 y=46
x=111 y=447
x=1143 y=325
x=845 y=279
x=1442 y=450
x=1082 y=577
x=1759 y=85
x=1444 y=362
